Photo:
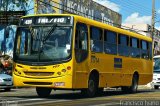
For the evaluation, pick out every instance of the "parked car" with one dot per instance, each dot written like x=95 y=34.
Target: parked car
x=6 y=64
x=6 y=81
x=156 y=72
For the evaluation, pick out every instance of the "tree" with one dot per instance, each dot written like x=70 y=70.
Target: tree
x=10 y=5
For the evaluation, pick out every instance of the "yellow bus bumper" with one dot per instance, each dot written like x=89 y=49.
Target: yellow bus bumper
x=58 y=82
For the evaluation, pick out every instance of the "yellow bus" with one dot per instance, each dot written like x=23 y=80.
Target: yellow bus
x=64 y=51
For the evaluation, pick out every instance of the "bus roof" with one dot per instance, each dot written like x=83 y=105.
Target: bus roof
x=97 y=24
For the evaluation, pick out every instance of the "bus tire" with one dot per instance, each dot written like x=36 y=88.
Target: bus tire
x=43 y=92
x=7 y=89
x=100 y=91
x=124 y=89
x=92 y=87
x=133 y=87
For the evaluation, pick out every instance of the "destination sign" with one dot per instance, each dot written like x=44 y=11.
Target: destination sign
x=45 y=20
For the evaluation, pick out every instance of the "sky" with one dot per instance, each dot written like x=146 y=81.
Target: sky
x=134 y=11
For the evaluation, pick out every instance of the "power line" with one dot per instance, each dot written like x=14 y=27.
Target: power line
x=139 y=5
x=131 y=7
x=133 y=4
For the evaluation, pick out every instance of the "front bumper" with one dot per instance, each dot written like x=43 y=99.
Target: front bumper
x=6 y=85
x=64 y=82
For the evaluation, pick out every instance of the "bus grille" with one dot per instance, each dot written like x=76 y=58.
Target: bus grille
x=39 y=73
x=37 y=67
x=38 y=83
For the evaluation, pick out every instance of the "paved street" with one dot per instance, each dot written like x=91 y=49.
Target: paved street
x=28 y=97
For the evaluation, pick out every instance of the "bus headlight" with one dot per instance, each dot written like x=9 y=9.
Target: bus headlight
x=64 y=70
x=69 y=68
x=59 y=73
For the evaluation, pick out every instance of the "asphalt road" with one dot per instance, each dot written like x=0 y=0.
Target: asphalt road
x=110 y=97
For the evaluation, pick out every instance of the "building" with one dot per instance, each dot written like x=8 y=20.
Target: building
x=86 y=8
x=145 y=30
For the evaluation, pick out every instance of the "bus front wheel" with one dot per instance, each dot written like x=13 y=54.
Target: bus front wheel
x=43 y=92
x=92 y=87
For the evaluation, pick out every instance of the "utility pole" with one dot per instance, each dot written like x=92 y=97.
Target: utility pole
x=152 y=25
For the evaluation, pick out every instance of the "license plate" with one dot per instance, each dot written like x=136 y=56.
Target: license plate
x=59 y=84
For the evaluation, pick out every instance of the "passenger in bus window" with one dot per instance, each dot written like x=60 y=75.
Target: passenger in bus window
x=91 y=45
x=83 y=39
x=95 y=46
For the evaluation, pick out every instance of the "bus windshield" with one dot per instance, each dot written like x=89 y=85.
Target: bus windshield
x=43 y=43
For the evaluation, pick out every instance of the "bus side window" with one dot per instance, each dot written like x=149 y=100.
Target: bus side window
x=123 y=45
x=96 y=39
x=110 y=42
x=134 y=47
x=81 y=42
x=144 y=49
x=150 y=51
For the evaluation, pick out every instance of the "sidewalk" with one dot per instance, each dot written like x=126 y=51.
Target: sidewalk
x=144 y=87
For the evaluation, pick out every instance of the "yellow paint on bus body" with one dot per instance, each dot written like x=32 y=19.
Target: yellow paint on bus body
x=77 y=77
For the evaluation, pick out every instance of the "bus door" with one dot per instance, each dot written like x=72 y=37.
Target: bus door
x=81 y=55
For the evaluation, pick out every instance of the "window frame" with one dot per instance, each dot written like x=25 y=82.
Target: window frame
x=81 y=54
x=146 y=51
x=100 y=40
x=135 y=50
x=107 y=43
x=122 y=46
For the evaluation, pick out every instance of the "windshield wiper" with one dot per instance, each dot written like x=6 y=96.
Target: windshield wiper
x=31 y=30
x=46 y=37
x=50 y=32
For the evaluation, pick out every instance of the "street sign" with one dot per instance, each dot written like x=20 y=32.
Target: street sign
x=10 y=17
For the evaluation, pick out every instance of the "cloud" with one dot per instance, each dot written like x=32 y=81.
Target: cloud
x=158 y=28
x=136 y=18
x=108 y=4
